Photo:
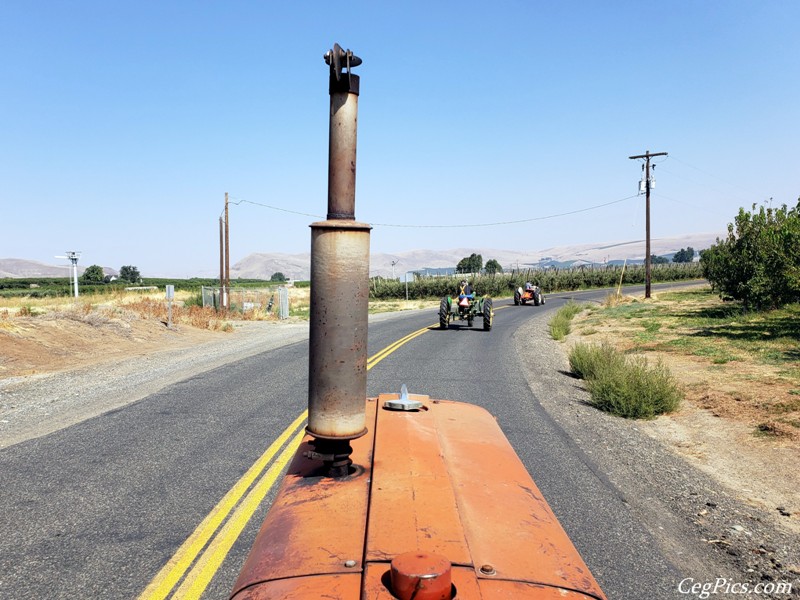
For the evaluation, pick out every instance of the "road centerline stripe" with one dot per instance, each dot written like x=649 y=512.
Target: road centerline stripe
x=223 y=534
x=209 y=562
x=172 y=572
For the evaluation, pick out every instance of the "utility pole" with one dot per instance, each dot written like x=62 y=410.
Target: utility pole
x=647 y=156
x=394 y=262
x=227 y=257
x=221 y=261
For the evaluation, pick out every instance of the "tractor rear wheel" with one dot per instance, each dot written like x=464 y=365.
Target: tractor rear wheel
x=487 y=314
x=537 y=298
x=516 y=297
x=444 y=314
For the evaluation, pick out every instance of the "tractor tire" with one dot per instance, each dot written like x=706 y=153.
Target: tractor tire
x=444 y=314
x=470 y=320
x=537 y=298
x=516 y=297
x=487 y=314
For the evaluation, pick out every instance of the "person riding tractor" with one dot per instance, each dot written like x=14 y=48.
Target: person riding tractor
x=465 y=306
x=465 y=293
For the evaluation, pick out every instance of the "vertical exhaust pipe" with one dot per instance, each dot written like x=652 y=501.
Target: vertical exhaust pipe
x=339 y=287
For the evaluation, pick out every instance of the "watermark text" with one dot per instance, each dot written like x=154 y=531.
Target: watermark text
x=721 y=585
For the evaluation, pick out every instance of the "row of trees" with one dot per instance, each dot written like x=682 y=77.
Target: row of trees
x=759 y=262
x=94 y=274
x=550 y=280
x=474 y=264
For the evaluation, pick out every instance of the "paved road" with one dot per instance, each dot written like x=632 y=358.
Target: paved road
x=97 y=509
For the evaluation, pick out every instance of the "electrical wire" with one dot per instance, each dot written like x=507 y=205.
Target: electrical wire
x=732 y=185
x=457 y=226
x=286 y=210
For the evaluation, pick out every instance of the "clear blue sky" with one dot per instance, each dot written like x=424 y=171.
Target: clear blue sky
x=123 y=124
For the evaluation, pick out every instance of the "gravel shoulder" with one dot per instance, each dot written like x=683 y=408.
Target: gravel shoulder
x=712 y=517
x=35 y=405
x=75 y=371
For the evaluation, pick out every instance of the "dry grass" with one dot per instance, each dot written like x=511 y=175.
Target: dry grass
x=99 y=309
x=382 y=306
x=196 y=316
x=153 y=305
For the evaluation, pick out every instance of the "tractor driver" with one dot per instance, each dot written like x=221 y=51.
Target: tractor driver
x=464 y=292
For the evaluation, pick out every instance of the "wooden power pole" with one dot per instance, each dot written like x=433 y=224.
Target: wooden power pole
x=227 y=257
x=647 y=156
x=221 y=262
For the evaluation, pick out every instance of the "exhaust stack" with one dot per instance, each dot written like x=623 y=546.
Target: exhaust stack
x=339 y=287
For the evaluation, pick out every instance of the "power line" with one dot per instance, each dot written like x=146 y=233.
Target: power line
x=278 y=208
x=738 y=188
x=495 y=224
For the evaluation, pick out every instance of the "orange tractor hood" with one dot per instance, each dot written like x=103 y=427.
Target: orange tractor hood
x=441 y=481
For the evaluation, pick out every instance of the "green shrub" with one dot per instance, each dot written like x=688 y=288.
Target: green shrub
x=560 y=324
x=625 y=386
x=587 y=361
x=194 y=300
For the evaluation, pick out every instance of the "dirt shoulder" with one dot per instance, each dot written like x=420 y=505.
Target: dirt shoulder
x=58 y=370
x=63 y=367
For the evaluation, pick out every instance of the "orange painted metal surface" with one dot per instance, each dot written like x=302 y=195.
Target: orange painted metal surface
x=421 y=576
x=442 y=480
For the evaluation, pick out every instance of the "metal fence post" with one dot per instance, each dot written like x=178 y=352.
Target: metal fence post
x=283 y=302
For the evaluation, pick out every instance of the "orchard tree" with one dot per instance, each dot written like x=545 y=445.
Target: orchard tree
x=684 y=255
x=657 y=260
x=759 y=262
x=93 y=274
x=129 y=273
x=492 y=267
x=280 y=277
x=470 y=264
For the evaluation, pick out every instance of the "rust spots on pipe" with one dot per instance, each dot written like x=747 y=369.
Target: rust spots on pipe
x=338 y=329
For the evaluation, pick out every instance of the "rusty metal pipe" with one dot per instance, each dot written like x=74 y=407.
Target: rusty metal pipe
x=338 y=329
x=339 y=287
x=342 y=155
x=343 y=87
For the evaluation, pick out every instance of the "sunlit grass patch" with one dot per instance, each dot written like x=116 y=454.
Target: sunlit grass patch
x=560 y=324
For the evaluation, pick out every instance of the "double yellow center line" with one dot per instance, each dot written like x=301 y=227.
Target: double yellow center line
x=205 y=549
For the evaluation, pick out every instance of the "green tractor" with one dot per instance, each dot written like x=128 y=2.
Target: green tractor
x=466 y=309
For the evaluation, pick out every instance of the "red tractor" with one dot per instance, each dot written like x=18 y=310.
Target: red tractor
x=528 y=293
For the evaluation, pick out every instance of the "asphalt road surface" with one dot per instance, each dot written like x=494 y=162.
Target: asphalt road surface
x=98 y=509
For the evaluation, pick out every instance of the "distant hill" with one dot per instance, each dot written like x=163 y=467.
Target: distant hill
x=298 y=267
x=20 y=268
